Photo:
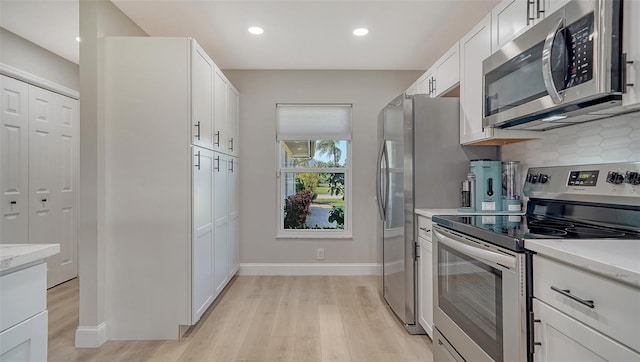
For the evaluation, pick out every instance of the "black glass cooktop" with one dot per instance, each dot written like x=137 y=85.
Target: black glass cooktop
x=510 y=231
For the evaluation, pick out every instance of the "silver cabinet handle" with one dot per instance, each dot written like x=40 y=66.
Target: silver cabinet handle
x=198 y=127
x=540 y=11
x=217 y=166
x=529 y=18
x=567 y=293
x=231 y=165
x=425 y=230
x=198 y=164
x=547 y=74
x=231 y=144
x=217 y=139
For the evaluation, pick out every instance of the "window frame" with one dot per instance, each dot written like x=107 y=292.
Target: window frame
x=281 y=170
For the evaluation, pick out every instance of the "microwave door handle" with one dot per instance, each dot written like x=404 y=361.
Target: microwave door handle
x=483 y=255
x=547 y=74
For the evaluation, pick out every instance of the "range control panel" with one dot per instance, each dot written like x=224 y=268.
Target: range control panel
x=616 y=183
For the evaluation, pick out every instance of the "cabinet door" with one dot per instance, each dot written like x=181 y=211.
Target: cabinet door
x=447 y=71
x=424 y=83
x=63 y=266
x=233 y=103
x=412 y=89
x=234 y=216
x=202 y=247
x=27 y=341
x=631 y=46
x=220 y=134
x=201 y=97
x=425 y=266
x=508 y=19
x=563 y=338
x=14 y=161
x=475 y=46
x=550 y=6
x=221 y=221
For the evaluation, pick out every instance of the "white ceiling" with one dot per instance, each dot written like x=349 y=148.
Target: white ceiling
x=298 y=34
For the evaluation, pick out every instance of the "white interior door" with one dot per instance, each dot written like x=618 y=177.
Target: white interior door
x=202 y=249
x=43 y=166
x=14 y=160
x=63 y=266
x=53 y=179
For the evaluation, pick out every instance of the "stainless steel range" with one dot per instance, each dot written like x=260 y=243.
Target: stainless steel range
x=482 y=275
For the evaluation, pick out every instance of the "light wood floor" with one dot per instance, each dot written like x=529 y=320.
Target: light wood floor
x=267 y=318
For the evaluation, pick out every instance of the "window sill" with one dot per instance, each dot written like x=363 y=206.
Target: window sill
x=312 y=235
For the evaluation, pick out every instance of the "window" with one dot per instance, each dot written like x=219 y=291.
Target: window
x=314 y=169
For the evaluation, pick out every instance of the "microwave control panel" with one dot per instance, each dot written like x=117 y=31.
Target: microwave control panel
x=579 y=37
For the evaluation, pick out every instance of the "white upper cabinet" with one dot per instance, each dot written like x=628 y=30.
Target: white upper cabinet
x=442 y=76
x=226 y=115
x=202 y=69
x=447 y=71
x=509 y=18
x=631 y=46
x=233 y=113
x=423 y=84
x=220 y=134
x=474 y=47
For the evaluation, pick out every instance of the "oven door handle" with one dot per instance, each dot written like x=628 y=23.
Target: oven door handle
x=475 y=252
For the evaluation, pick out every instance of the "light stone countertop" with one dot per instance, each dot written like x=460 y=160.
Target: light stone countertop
x=617 y=259
x=17 y=255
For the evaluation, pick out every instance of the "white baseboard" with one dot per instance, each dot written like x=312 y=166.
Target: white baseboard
x=90 y=336
x=310 y=269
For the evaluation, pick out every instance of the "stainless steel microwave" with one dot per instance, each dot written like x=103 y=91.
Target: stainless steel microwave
x=565 y=69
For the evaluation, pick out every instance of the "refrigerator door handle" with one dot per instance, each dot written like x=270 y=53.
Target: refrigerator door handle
x=379 y=180
x=385 y=190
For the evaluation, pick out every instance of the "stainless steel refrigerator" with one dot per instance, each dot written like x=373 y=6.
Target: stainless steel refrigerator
x=421 y=164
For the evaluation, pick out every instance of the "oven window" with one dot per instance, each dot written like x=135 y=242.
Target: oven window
x=470 y=293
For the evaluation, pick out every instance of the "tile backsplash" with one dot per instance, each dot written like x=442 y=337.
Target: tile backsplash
x=615 y=139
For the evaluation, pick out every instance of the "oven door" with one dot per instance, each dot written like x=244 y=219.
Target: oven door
x=480 y=297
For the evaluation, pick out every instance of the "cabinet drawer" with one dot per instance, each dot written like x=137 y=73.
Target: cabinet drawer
x=615 y=309
x=24 y=294
x=424 y=227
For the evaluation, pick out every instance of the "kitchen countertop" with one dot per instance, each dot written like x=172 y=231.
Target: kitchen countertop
x=617 y=259
x=16 y=255
x=433 y=212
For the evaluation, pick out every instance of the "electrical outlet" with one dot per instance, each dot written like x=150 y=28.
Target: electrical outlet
x=320 y=254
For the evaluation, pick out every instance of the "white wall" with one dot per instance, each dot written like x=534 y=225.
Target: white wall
x=31 y=58
x=368 y=91
x=98 y=18
x=609 y=140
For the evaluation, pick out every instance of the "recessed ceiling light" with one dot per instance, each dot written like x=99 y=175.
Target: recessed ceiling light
x=78 y=39
x=256 y=30
x=361 y=32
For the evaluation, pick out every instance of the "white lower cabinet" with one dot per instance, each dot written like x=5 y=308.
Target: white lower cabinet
x=25 y=342
x=226 y=219
x=23 y=314
x=425 y=276
x=583 y=316
x=202 y=252
x=563 y=338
